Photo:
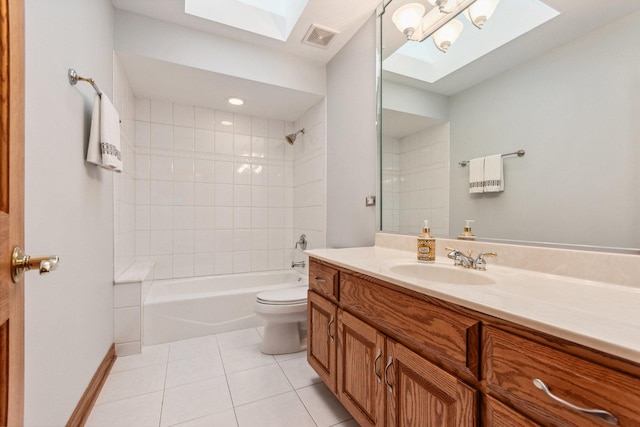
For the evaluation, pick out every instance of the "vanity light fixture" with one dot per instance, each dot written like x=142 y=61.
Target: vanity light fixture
x=447 y=34
x=444 y=6
x=235 y=101
x=479 y=12
x=407 y=18
x=440 y=21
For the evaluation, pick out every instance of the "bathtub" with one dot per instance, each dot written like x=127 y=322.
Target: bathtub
x=177 y=309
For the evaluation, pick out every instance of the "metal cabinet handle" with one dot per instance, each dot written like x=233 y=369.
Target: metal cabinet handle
x=21 y=262
x=386 y=375
x=375 y=366
x=603 y=415
x=329 y=328
x=319 y=280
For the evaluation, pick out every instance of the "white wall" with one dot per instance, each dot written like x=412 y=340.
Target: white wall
x=309 y=180
x=416 y=181
x=574 y=121
x=352 y=141
x=68 y=206
x=124 y=194
x=398 y=97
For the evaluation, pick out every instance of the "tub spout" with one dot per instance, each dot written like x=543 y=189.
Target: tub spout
x=297 y=264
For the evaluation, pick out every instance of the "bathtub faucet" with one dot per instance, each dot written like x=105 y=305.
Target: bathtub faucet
x=297 y=264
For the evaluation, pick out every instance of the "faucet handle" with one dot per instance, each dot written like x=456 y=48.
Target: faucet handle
x=480 y=263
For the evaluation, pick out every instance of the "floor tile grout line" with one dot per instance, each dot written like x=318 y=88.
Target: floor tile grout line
x=164 y=388
x=127 y=398
x=226 y=374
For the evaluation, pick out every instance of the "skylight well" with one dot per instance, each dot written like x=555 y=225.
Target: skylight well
x=269 y=18
x=423 y=61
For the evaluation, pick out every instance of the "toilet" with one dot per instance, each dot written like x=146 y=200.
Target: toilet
x=284 y=312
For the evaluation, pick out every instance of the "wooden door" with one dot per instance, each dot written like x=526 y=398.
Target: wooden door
x=424 y=395
x=321 y=332
x=361 y=370
x=11 y=210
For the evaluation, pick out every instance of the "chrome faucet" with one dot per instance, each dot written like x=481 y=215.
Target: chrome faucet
x=460 y=259
x=297 y=264
x=480 y=263
x=467 y=261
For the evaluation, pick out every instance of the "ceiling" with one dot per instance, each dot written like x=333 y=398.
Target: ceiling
x=576 y=18
x=185 y=84
x=346 y=17
x=152 y=78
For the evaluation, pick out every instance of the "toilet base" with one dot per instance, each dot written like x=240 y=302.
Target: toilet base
x=283 y=338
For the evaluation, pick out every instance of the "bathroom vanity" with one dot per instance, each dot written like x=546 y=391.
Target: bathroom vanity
x=399 y=350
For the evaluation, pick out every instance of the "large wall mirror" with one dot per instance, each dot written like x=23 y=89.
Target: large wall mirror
x=559 y=79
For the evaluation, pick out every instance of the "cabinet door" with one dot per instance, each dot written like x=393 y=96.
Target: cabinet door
x=421 y=394
x=321 y=332
x=360 y=370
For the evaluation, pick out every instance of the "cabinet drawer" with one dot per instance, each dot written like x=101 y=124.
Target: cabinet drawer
x=323 y=279
x=511 y=363
x=431 y=329
x=499 y=415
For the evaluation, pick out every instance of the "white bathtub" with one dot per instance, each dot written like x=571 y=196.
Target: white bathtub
x=177 y=309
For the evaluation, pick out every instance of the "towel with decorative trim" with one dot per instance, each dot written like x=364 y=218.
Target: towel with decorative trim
x=476 y=175
x=493 y=174
x=104 y=136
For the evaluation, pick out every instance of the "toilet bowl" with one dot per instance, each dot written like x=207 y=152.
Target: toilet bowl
x=284 y=312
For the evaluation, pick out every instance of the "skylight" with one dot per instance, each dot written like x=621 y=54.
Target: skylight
x=423 y=61
x=270 y=18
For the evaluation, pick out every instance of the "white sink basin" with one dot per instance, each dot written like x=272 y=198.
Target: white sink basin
x=441 y=274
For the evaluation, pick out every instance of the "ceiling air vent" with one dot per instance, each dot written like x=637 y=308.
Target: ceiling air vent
x=319 y=36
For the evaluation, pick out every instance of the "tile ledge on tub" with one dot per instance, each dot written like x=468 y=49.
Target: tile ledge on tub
x=139 y=271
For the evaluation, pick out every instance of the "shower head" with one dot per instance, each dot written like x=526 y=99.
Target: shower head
x=292 y=136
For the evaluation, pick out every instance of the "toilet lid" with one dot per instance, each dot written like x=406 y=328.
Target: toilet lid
x=293 y=295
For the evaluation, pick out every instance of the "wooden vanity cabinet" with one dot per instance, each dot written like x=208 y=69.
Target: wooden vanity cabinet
x=397 y=358
x=361 y=364
x=321 y=333
x=511 y=363
x=499 y=415
x=378 y=380
x=421 y=394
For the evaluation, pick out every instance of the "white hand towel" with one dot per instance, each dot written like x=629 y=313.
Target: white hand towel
x=104 y=136
x=476 y=175
x=493 y=174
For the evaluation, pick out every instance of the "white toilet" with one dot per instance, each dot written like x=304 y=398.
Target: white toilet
x=284 y=312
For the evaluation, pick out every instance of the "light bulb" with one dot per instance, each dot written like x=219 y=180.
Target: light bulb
x=408 y=17
x=447 y=35
x=480 y=11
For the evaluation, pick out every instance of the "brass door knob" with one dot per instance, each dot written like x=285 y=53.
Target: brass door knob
x=21 y=262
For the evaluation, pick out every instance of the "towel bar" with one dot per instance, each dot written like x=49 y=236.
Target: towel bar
x=519 y=153
x=74 y=77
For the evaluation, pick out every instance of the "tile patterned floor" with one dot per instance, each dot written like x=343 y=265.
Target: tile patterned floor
x=216 y=381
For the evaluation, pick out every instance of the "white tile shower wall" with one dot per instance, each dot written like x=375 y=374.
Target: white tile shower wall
x=211 y=198
x=424 y=180
x=309 y=183
x=124 y=183
x=390 y=184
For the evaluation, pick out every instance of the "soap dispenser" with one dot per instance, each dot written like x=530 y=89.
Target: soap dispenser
x=426 y=245
x=467 y=234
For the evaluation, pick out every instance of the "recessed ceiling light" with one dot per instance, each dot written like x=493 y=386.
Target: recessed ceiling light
x=226 y=123
x=235 y=101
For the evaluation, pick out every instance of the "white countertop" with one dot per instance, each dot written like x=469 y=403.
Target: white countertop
x=598 y=315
